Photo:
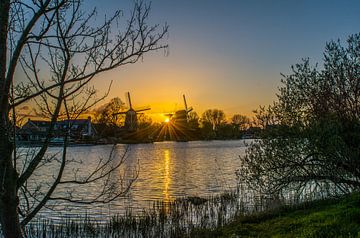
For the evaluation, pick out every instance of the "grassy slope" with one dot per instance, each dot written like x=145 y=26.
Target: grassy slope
x=330 y=218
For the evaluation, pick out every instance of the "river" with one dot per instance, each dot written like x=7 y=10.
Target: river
x=166 y=171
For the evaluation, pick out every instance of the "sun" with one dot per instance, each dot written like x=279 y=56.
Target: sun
x=167 y=120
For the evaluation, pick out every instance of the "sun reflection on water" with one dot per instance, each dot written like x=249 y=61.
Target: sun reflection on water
x=167 y=178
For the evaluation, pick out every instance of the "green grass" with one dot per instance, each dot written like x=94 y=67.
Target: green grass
x=326 y=218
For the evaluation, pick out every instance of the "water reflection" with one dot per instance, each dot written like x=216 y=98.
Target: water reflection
x=167 y=171
x=167 y=178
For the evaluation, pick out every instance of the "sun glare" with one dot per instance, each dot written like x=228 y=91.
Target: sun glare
x=167 y=120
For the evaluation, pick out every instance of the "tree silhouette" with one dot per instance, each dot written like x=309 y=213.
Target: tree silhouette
x=105 y=115
x=241 y=122
x=59 y=49
x=215 y=117
x=311 y=139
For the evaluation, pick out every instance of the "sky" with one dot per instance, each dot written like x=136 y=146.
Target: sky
x=226 y=54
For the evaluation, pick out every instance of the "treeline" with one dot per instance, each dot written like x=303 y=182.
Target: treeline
x=212 y=124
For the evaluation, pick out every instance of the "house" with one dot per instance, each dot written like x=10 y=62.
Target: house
x=37 y=130
x=33 y=130
x=79 y=128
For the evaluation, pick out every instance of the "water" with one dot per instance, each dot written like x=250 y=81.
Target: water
x=166 y=171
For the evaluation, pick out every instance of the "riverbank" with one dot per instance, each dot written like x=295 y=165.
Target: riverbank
x=216 y=217
x=326 y=218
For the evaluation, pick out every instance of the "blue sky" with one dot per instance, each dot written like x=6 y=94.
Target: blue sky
x=228 y=54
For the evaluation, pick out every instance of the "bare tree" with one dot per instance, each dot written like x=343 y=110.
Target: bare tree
x=241 y=122
x=53 y=46
x=105 y=114
x=215 y=117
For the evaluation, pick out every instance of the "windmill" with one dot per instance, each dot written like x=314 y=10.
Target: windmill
x=131 y=122
x=180 y=116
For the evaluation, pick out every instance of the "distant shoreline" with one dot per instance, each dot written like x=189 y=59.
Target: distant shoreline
x=125 y=142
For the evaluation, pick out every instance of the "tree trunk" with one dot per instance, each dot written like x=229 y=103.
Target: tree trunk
x=10 y=223
x=9 y=201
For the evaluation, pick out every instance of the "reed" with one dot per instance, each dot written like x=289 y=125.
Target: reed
x=177 y=218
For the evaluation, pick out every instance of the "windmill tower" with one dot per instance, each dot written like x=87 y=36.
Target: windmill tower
x=131 y=122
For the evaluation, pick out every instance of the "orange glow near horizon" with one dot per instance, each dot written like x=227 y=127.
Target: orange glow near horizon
x=159 y=82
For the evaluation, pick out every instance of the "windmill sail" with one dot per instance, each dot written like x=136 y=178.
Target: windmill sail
x=128 y=99
x=186 y=106
x=185 y=102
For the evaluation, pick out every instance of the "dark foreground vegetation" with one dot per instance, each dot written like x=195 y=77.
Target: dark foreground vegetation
x=220 y=216
x=314 y=138
x=50 y=52
x=164 y=219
